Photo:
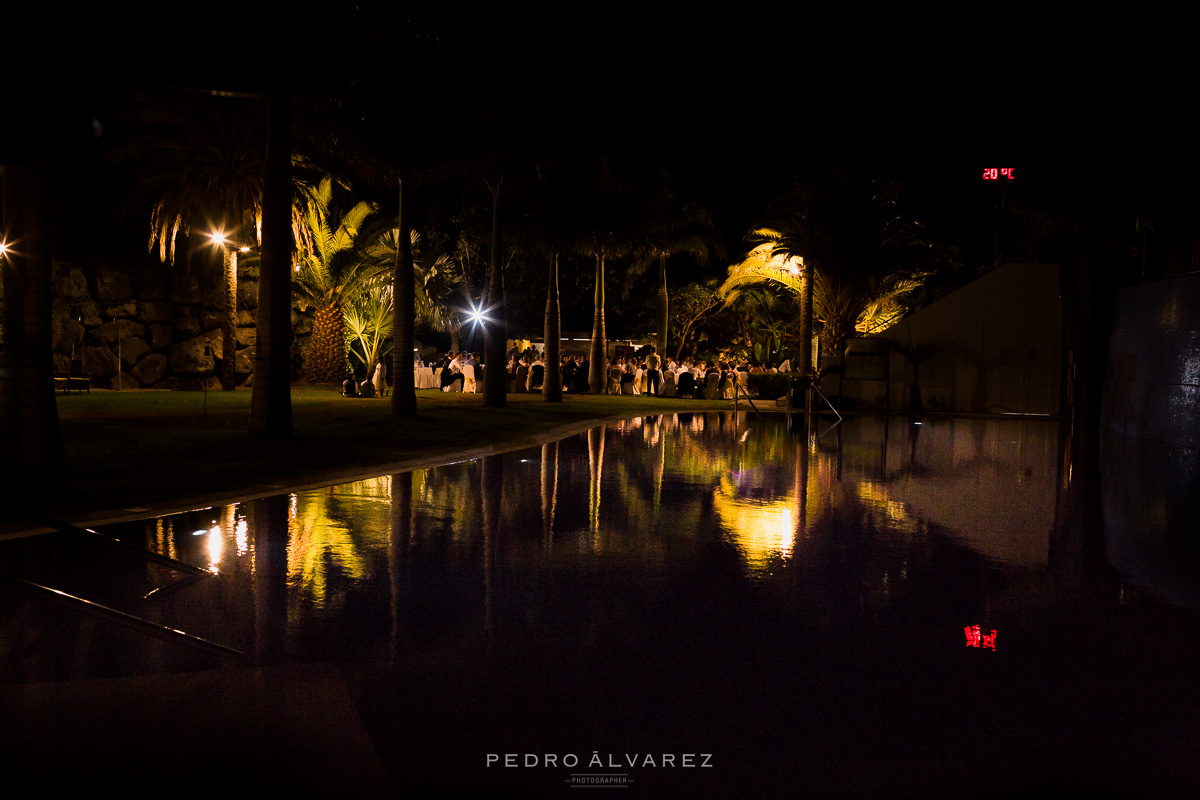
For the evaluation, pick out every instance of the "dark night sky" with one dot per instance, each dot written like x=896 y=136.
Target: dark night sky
x=1092 y=112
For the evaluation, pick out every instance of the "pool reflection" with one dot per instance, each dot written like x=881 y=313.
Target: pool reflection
x=719 y=584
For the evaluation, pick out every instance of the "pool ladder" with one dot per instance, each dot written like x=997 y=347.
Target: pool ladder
x=100 y=611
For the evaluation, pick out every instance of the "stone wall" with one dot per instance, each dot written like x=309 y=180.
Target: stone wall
x=158 y=327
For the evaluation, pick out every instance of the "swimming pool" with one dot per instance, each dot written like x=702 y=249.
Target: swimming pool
x=693 y=604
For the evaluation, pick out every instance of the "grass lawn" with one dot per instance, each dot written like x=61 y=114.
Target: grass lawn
x=132 y=452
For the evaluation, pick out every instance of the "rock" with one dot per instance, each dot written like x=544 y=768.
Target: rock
x=89 y=315
x=152 y=283
x=247 y=293
x=62 y=362
x=243 y=362
x=249 y=382
x=131 y=350
x=72 y=287
x=215 y=343
x=184 y=288
x=113 y=286
x=124 y=381
x=111 y=332
x=68 y=333
x=188 y=327
x=161 y=336
x=98 y=362
x=245 y=319
x=125 y=310
x=302 y=324
x=245 y=337
x=212 y=319
x=150 y=369
x=193 y=356
x=152 y=311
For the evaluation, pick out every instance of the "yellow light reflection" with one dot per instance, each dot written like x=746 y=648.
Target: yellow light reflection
x=241 y=537
x=761 y=530
x=215 y=546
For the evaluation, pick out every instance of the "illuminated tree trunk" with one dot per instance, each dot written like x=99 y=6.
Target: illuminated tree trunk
x=663 y=322
x=806 y=295
x=271 y=401
x=552 y=336
x=229 y=320
x=32 y=438
x=597 y=367
x=495 y=376
x=404 y=392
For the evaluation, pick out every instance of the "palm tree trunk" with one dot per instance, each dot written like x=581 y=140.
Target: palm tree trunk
x=662 y=305
x=32 y=438
x=552 y=336
x=229 y=320
x=326 y=358
x=598 y=368
x=806 y=295
x=271 y=400
x=404 y=392
x=495 y=376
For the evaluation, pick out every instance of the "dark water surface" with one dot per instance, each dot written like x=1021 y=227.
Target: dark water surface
x=671 y=606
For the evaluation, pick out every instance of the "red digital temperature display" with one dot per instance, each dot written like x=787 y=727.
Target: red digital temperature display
x=994 y=174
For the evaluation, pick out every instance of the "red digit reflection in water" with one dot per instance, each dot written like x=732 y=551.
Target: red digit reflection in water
x=975 y=638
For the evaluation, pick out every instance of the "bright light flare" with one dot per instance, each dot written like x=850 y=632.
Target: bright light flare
x=3 y=248
x=476 y=315
x=218 y=238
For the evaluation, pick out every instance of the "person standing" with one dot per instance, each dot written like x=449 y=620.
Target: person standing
x=379 y=379
x=653 y=374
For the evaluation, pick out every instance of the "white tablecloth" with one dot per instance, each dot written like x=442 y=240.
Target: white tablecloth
x=423 y=378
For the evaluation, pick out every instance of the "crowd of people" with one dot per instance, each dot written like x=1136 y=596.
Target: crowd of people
x=644 y=372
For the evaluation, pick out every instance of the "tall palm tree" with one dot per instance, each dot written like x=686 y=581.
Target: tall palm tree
x=271 y=396
x=675 y=230
x=552 y=336
x=201 y=165
x=495 y=378
x=328 y=271
x=29 y=427
x=437 y=282
x=437 y=285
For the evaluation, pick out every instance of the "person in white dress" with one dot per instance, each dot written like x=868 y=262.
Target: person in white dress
x=380 y=379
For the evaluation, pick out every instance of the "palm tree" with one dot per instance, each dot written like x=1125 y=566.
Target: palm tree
x=436 y=286
x=368 y=321
x=866 y=250
x=675 y=230
x=203 y=168
x=495 y=380
x=327 y=273
x=271 y=396
x=552 y=336
x=29 y=427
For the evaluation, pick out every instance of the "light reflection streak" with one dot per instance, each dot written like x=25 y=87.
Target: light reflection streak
x=242 y=537
x=216 y=545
